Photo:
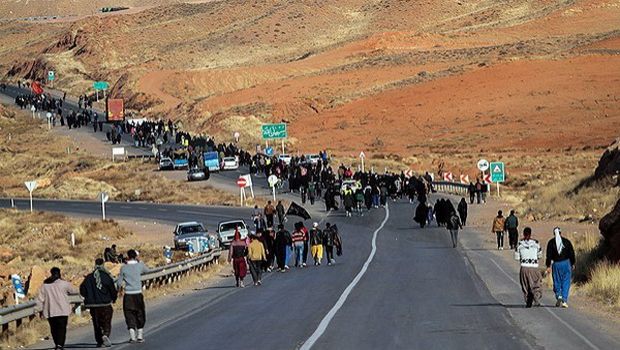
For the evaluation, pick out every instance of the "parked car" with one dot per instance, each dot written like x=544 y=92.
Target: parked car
x=230 y=163
x=198 y=174
x=226 y=231
x=195 y=234
x=286 y=158
x=166 y=163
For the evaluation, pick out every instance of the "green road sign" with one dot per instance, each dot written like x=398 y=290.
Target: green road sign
x=274 y=131
x=498 y=172
x=101 y=85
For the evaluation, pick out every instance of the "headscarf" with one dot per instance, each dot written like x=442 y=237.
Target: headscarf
x=99 y=269
x=558 y=240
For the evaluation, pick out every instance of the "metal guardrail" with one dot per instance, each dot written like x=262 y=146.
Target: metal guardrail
x=153 y=278
x=450 y=187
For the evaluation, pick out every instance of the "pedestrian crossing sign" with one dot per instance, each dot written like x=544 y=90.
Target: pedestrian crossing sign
x=498 y=173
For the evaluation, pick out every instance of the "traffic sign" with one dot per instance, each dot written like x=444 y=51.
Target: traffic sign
x=465 y=179
x=242 y=182
x=362 y=155
x=269 y=151
x=498 y=173
x=448 y=177
x=483 y=165
x=274 y=131
x=104 y=196
x=31 y=185
x=486 y=179
x=272 y=180
x=408 y=173
x=51 y=75
x=19 y=287
x=101 y=85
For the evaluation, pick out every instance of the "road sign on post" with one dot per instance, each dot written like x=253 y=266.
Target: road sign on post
x=101 y=85
x=104 y=197
x=498 y=173
x=273 y=181
x=248 y=183
x=19 y=287
x=483 y=165
x=274 y=131
x=269 y=151
x=31 y=186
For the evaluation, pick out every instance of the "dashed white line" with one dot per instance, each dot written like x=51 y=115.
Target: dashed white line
x=307 y=345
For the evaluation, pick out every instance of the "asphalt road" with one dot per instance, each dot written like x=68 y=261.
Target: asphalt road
x=395 y=287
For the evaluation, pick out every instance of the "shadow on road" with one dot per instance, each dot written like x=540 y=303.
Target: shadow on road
x=507 y=306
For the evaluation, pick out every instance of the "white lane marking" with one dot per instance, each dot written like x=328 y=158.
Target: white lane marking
x=571 y=328
x=307 y=345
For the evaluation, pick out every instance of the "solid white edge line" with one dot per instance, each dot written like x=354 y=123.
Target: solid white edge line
x=307 y=345
x=566 y=324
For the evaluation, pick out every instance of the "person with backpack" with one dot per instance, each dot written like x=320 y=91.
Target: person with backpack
x=133 y=300
x=499 y=225
x=316 y=244
x=53 y=301
x=331 y=239
x=561 y=262
x=512 y=226
x=236 y=254
x=527 y=253
x=453 y=225
x=359 y=201
x=99 y=293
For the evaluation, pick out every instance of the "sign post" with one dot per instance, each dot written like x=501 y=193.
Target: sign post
x=100 y=85
x=31 y=186
x=51 y=76
x=118 y=151
x=362 y=157
x=242 y=182
x=274 y=132
x=483 y=165
x=104 y=197
x=248 y=183
x=273 y=180
x=498 y=173
x=33 y=109
x=19 y=288
x=49 y=120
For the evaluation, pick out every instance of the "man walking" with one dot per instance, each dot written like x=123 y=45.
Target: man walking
x=269 y=211
x=512 y=226
x=499 y=223
x=453 y=225
x=298 y=245
x=282 y=243
x=316 y=244
x=560 y=256
x=528 y=252
x=331 y=239
x=99 y=293
x=462 y=209
x=280 y=211
x=133 y=301
x=256 y=257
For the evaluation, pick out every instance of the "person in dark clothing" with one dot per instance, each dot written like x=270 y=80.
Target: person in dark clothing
x=561 y=261
x=478 y=191
x=99 y=293
x=453 y=225
x=331 y=239
x=421 y=214
x=471 y=190
x=280 y=211
x=512 y=226
x=462 y=209
x=282 y=242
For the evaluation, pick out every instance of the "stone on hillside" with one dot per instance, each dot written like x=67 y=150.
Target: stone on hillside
x=35 y=280
x=609 y=164
x=610 y=229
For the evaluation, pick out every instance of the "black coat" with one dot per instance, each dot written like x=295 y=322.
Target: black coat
x=94 y=296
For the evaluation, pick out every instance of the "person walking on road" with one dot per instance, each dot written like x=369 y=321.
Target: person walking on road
x=462 y=209
x=499 y=224
x=269 y=211
x=237 y=253
x=133 y=300
x=54 y=302
x=99 y=293
x=281 y=212
x=316 y=244
x=471 y=190
x=298 y=245
x=256 y=257
x=331 y=239
x=528 y=252
x=453 y=225
x=560 y=257
x=282 y=243
x=512 y=226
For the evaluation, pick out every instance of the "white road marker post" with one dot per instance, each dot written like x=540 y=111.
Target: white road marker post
x=362 y=157
x=31 y=186
x=104 y=197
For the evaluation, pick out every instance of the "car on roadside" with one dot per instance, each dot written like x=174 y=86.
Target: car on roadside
x=353 y=184
x=230 y=163
x=226 y=231
x=285 y=158
x=194 y=234
x=166 y=163
x=198 y=174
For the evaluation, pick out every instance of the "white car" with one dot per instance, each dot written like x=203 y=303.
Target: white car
x=226 y=231
x=354 y=185
x=230 y=163
x=312 y=158
x=285 y=158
